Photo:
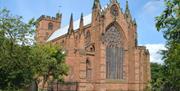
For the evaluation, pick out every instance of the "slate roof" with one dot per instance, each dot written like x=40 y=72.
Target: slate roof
x=64 y=30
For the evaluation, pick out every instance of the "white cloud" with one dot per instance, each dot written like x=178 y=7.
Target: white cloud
x=154 y=50
x=153 y=7
x=150 y=10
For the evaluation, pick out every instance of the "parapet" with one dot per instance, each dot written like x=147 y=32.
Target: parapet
x=50 y=18
x=144 y=49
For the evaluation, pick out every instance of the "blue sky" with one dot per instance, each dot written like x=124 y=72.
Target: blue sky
x=144 y=11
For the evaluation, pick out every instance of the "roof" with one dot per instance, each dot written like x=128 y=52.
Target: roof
x=64 y=30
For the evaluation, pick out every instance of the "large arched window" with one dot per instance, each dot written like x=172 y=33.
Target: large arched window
x=113 y=40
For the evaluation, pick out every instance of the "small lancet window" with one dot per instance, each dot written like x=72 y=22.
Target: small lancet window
x=87 y=37
x=50 y=26
x=88 y=69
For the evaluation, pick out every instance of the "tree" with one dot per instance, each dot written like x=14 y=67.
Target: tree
x=169 y=23
x=21 y=60
x=156 y=76
x=14 y=68
x=48 y=64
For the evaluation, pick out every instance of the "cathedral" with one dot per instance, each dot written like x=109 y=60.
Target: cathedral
x=102 y=49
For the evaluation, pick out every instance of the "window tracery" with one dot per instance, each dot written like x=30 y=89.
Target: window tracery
x=112 y=38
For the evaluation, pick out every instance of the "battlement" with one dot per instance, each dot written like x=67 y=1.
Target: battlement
x=142 y=47
x=45 y=17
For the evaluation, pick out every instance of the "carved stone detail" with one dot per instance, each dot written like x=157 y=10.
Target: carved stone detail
x=90 y=48
x=112 y=37
x=114 y=10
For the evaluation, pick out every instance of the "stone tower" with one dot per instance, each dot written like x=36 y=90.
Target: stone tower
x=46 y=25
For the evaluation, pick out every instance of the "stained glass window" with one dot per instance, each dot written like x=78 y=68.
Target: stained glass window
x=114 y=53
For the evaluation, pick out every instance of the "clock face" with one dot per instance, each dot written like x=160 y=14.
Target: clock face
x=114 y=10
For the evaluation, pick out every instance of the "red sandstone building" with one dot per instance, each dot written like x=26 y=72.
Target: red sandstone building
x=102 y=49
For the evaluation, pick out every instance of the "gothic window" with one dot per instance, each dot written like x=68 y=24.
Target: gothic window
x=114 y=63
x=114 y=53
x=88 y=69
x=50 y=26
x=87 y=37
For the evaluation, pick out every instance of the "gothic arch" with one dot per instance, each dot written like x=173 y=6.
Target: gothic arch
x=114 y=40
x=114 y=36
x=118 y=26
x=50 y=26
